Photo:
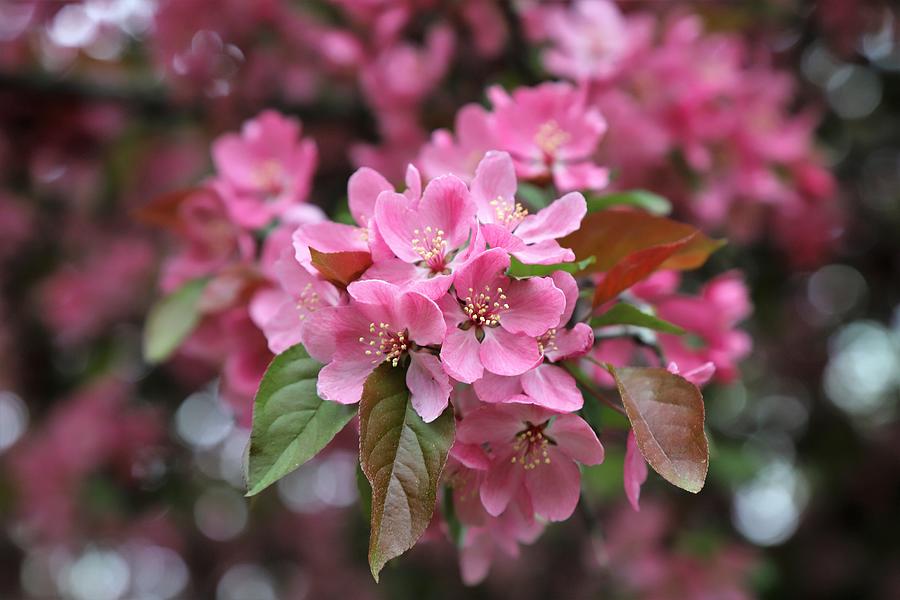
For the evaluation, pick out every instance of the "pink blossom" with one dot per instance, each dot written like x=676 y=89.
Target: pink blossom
x=534 y=455
x=381 y=323
x=507 y=224
x=265 y=170
x=493 y=322
x=280 y=312
x=426 y=237
x=546 y=385
x=210 y=240
x=474 y=127
x=589 y=40
x=551 y=132
x=497 y=536
x=363 y=189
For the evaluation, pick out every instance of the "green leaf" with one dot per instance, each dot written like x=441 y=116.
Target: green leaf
x=648 y=201
x=291 y=424
x=627 y=314
x=171 y=320
x=666 y=412
x=534 y=196
x=402 y=457
x=520 y=269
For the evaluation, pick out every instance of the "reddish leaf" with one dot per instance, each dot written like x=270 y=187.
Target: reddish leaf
x=612 y=235
x=666 y=412
x=403 y=458
x=635 y=267
x=163 y=211
x=341 y=268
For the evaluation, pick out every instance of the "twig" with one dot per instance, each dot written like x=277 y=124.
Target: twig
x=582 y=379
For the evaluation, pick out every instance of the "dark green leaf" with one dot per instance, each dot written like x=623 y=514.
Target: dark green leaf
x=627 y=314
x=648 y=201
x=171 y=320
x=291 y=424
x=402 y=457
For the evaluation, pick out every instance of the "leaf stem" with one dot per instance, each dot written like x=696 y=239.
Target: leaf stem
x=586 y=384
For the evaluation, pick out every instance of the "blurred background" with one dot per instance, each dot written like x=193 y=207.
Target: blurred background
x=120 y=481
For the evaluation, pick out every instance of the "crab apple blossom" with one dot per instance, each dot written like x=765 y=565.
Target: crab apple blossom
x=382 y=322
x=265 y=170
x=551 y=133
x=493 y=322
x=546 y=385
x=280 y=311
x=534 y=453
x=507 y=224
x=426 y=237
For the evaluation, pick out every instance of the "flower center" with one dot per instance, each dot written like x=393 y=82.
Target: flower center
x=530 y=446
x=383 y=344
x=431 y=246
x=483 y=309
x=508 y=214
x=308 y=301
x=269 y=177
x=547 y=341
x=550 y=137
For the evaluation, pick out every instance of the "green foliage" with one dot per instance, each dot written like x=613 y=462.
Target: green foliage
x=291 y=424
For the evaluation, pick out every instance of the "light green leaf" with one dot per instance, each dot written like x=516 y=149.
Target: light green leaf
x=643 y=199
x=520 y=269
x=291 y=424
x=171 y=320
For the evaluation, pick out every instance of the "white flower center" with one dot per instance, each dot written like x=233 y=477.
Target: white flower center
x=383 y=344
x=483 y=309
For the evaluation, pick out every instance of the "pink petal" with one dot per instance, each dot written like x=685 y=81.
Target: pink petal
x=411 y=277
x=328 y=237
x=318 y=335
x=486 y=269
x=554 y=487
x=570 y=343
x=428 y=385
x=413 y=185
x=422 y=318
x=497 y=236
x=569 y=287
x=396 y=223
x=497 y=388
x=576 y=439
x=552 y=387
x=446 y=206
x=277 y=315
x=535 y=306
x=363 y=189
x=495 y=423
x=495 y=180
x=557 y=220
x=505 y=353
x=471 y=455
x=475 y=557
x=500 y=484
x=342 y=380
x=546 y=252
x=635 y=471
x=459 y=355
x=580 y=176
